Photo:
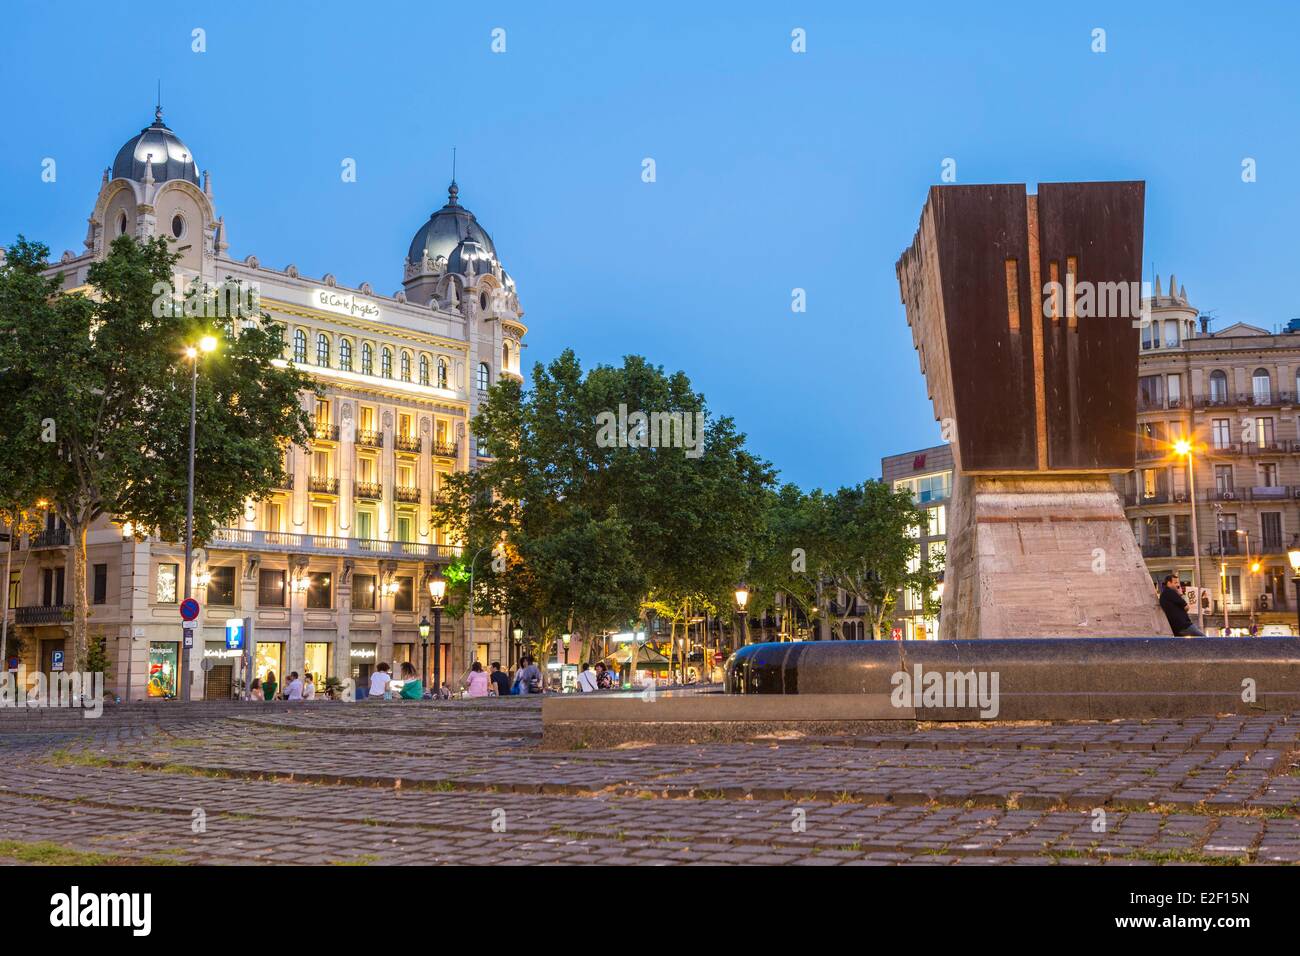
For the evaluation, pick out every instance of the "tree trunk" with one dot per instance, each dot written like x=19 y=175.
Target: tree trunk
x=80 y=606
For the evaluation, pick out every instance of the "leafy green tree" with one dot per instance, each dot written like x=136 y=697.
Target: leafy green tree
x=587 y=517
x=95 y=398
x=871 y=532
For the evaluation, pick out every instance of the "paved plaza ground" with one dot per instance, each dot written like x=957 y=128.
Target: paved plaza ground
x=467 y=782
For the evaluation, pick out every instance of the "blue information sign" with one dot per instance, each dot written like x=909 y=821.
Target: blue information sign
x=234 y=634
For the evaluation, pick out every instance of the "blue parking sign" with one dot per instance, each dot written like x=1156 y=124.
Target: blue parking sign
x=56 y=660
x=235 y=634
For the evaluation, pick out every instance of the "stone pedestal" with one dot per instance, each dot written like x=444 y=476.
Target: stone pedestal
x=1044 y=556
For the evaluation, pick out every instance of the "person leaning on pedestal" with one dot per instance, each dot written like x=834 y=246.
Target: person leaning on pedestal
x=1175 y=608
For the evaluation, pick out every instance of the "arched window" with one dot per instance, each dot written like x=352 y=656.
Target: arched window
x=386 y=362
x=367 y=359
x=121 y=225
x=424 y=370
x=345 y=355
x=406 y=366
x=1218 y=387
x=323 y=350
x=299 y=346
x=505 y=356
x=1261 y=386
x=442 y=373
x=484 y=376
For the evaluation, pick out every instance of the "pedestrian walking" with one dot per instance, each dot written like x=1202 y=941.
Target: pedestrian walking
x=603 y=679
x=1175 y=608
x=588 y=680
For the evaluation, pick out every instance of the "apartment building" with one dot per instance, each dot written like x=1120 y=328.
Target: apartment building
x=331 y=569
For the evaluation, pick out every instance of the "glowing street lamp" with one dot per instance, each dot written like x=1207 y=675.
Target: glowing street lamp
x=207 y=345
x=1183 y=449
x=1293 y=556
x=742 y=602
x=437 y=594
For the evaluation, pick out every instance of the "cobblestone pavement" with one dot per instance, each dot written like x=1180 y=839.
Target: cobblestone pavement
x=455 y=783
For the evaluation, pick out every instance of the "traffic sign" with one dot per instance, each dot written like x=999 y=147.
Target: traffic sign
x=188 y=626
x=56 y=660
x=13 y=664
x=189 y=609
x=234 y=634
x=207 y=664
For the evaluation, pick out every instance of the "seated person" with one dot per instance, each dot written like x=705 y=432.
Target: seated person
x=411 y=687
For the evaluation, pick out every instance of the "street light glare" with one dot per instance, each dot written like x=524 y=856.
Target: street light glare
x=191 y=352
x=208 y=343
x=1182 y=447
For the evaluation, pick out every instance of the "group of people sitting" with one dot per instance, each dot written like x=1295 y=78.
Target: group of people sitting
x=526 y=679
x=298 y=688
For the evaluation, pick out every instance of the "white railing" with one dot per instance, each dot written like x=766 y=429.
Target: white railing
x=240 y=539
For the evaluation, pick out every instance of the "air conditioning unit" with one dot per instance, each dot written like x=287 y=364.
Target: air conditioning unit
x=1179 y=496
x=1295 y=492
x=1266 y=602
x=1228 y=496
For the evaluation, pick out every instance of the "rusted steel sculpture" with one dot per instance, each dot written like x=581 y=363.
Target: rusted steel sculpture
x=1024 y=312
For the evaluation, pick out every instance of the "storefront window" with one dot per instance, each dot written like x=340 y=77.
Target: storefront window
x=162 y=667
x=316 y=662
x=166 y=590
x=268 y=658
x=403 y=599
x=221 y=586
x=270 y=588
x=363 y=592
x=320 y=590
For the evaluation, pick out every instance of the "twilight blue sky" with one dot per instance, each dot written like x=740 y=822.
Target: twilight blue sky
x=775 y=170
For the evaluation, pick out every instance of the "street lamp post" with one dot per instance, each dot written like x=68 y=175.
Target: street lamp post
x=1183 y=447
x=742 y=601
x=206 y=344
x=437 y=591
x=1252 y=567
x=1293 y=555
x=424 y=643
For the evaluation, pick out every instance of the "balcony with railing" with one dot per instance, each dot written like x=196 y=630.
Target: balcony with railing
x=370 y=439
x=442 y=449
x=1269 y=493
x=407 y=443
x=1164 y=550
x=51 y=538
x=323 y=486
x=324 y=431
x=409 y=495
x=370 y=490
x=1226 y=494
x=1142 y=498
x=281 y=542
x=43 y=614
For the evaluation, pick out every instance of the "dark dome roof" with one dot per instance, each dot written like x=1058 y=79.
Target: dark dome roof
x=170 y=157
x=470 y=253
x=446 y=229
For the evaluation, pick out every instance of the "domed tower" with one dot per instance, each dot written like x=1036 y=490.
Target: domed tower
x=154 y=188
x=452 y=255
